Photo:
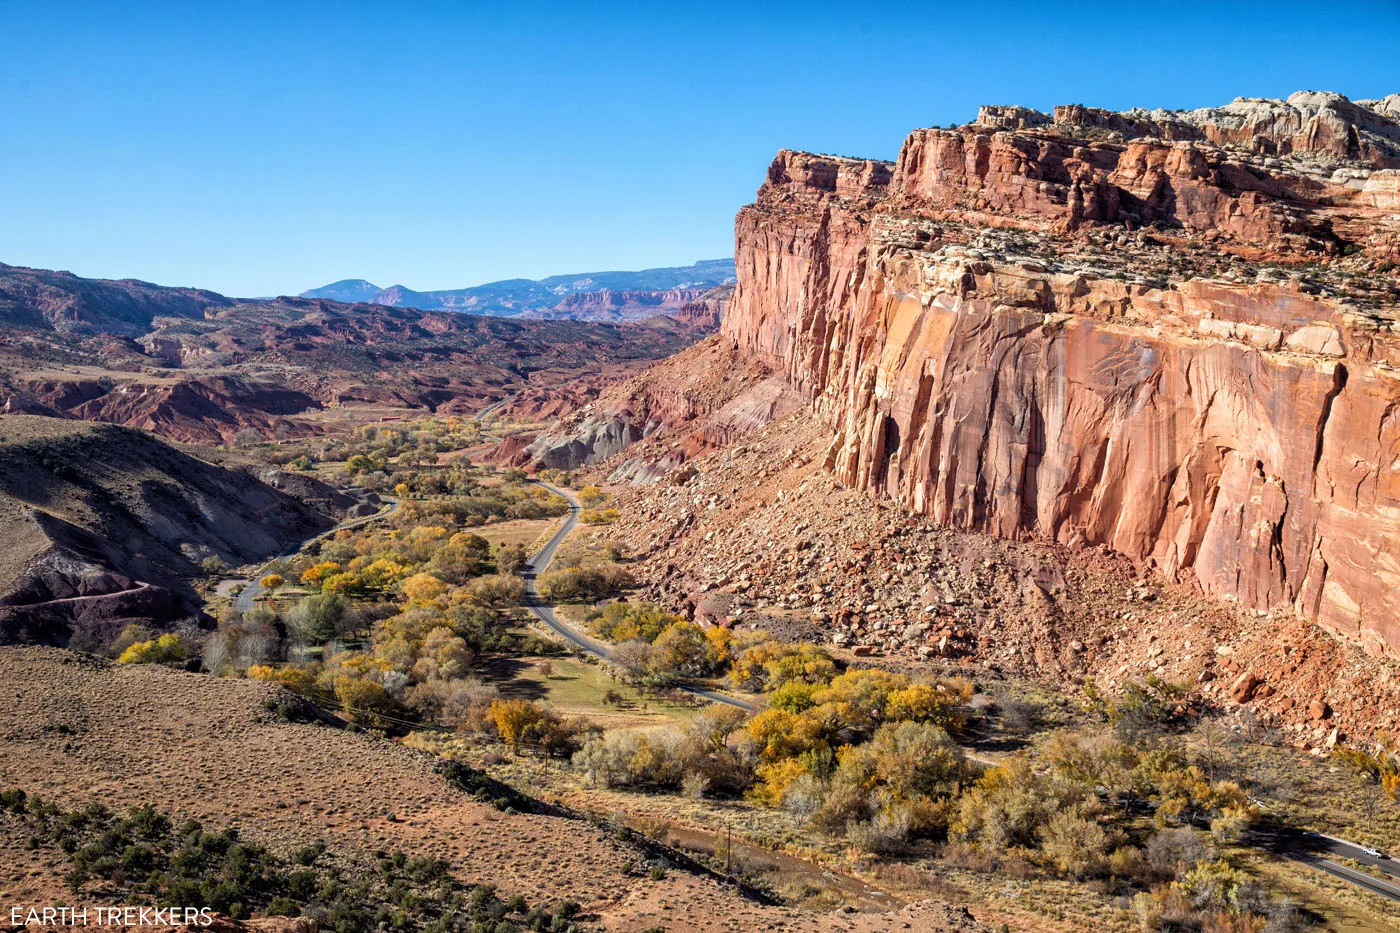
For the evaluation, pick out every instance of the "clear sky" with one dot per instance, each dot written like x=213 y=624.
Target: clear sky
x=268 y=148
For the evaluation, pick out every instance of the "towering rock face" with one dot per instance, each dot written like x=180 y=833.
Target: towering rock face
x=1173 y=334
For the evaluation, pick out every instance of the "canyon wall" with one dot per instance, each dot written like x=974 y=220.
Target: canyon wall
x=1170 y=334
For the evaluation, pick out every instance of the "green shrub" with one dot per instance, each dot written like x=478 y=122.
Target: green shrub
x=141 y=858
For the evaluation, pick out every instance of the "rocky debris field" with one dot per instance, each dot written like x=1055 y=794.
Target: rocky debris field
x=761 y=534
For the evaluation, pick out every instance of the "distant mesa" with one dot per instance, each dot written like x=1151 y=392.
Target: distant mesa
x=622 y=294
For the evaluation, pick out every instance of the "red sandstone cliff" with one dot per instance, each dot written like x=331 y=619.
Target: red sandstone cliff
x=1170 y=333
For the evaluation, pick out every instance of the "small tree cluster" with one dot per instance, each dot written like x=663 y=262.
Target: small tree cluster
x=699 y=753
x=166 y=649
x=584 y=584
x=523 y=723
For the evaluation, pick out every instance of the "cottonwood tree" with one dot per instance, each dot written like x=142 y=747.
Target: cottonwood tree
x=634 y=659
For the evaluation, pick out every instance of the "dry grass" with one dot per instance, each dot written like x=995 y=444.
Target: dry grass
x=528 y=532
x=75 y=730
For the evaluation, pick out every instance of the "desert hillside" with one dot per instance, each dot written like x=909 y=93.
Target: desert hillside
x=216 y=751
x=42 y=299
x=108 y=525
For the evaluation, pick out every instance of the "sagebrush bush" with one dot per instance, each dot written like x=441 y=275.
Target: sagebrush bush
x=143 y=858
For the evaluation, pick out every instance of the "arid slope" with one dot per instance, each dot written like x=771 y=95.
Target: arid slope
x=206 y=748
x=108 y=524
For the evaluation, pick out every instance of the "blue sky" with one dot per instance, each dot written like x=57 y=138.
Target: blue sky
x=267 y=148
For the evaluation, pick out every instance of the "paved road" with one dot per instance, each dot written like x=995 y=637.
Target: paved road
x=491 y=409
x=1320 y=851
x=252 y=589
x=540 y=562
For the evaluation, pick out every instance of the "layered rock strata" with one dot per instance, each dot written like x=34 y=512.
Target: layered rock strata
x=1173 y=334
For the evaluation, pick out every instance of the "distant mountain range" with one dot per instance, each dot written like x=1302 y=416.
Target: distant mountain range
x=649 y=288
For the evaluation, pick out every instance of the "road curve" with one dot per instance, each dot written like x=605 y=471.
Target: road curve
x=253 y=589
x=1319 y=851
x=540 y=562
x=494 y=407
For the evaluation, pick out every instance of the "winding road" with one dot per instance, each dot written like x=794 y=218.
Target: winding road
x=494 y=407
x=540 y=562
x=252 y=589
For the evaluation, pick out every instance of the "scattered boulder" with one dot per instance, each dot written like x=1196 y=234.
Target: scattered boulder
x=1243 y=689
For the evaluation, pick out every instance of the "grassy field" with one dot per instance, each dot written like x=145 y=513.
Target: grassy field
x=530 y=532
x=576 y=688
x=573 y=615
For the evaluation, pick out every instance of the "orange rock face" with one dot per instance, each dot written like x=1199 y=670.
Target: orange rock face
x=1183 y=351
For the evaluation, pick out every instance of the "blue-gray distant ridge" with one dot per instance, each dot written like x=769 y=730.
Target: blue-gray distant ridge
x=510 y=297
x=348 y=290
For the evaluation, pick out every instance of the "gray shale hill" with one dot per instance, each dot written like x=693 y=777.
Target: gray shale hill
x=107 y=525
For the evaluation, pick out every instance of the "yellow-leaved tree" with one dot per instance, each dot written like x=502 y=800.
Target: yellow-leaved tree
x=514 y=718
x=167 y=649
x=423 y=588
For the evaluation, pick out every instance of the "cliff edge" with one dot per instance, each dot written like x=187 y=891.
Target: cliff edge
x=1168 y=332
